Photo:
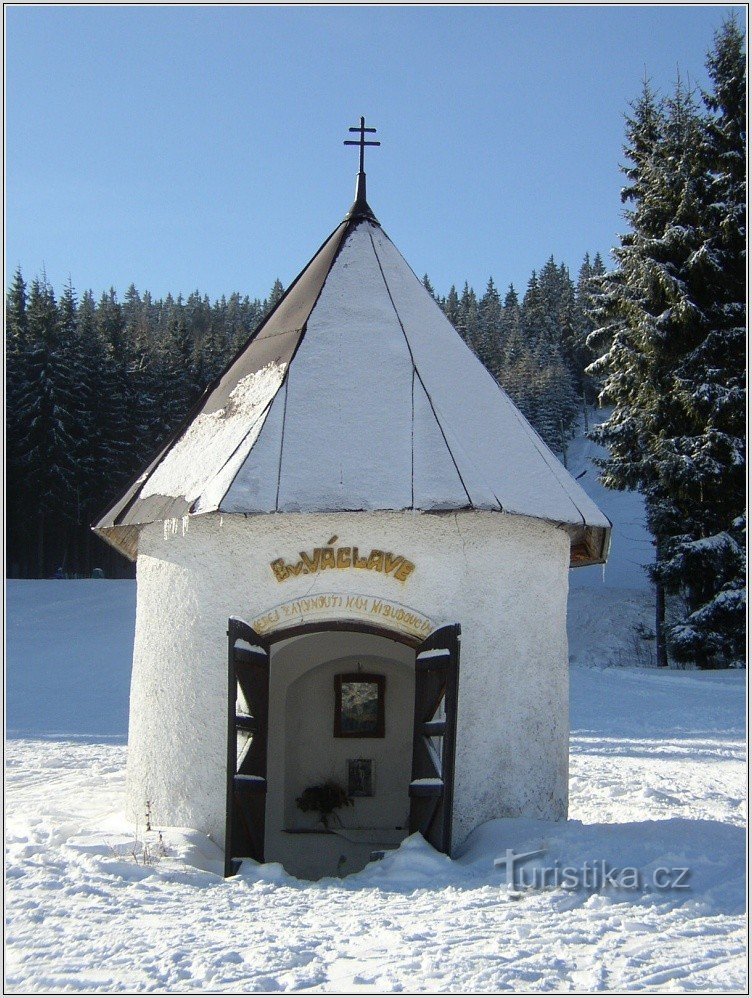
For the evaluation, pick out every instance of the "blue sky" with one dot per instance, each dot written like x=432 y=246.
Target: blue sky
x=201 y=147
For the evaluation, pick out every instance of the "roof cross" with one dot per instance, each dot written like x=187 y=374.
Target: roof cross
x=362 y=141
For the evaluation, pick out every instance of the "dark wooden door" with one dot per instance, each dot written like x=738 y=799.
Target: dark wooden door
x=247 y=730
x=437 y=663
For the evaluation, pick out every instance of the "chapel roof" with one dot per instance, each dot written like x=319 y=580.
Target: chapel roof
x=357 y=393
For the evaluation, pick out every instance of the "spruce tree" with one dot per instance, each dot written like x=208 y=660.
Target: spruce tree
x=426 y=282
x=78 y=362
x=45 y=410
x=16 y=380
x=510 y=324
x=489 y=326
x=583 y=324
x=467 y=322
x=452 y=307
x=665 y=435
x=705 y=562
x=278 y=290
x=113 y=399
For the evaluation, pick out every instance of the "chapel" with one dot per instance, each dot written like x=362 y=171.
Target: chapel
x=352 y=575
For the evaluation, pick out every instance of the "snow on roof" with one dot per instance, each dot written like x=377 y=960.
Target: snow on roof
x=356 y=393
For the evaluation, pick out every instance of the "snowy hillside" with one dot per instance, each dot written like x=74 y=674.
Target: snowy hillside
x=631 y=546
x=611 y=607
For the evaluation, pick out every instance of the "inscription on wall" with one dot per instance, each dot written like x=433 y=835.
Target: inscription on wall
x=343 y=557
x=335 y=606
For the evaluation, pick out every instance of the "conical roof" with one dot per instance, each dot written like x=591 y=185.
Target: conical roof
x=356 y=393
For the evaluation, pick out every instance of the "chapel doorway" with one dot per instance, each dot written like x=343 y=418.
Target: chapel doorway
x=341 y=745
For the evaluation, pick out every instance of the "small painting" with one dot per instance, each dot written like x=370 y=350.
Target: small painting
x=360 y=778
x=359 y=705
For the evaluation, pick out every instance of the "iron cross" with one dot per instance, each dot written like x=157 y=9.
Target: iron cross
x=362 y=142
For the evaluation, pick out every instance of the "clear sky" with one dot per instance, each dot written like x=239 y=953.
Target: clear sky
x=201 y=147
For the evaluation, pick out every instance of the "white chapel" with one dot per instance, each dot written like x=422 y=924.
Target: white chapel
x=352 y=574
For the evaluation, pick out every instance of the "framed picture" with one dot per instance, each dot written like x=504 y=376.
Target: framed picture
x=359 y=705
x=360 y=778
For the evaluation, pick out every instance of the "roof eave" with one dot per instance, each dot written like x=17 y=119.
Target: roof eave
x=589 y=544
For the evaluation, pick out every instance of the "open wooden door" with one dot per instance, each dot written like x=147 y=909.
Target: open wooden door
x=437 y=663
x=247 y=729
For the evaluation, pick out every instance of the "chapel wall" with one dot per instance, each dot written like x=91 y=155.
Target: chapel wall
x=503 y=578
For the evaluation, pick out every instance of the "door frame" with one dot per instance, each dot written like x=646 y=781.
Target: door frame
x=295 y=630
x=270 y=638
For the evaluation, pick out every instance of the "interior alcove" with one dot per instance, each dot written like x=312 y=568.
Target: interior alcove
x=303 y=751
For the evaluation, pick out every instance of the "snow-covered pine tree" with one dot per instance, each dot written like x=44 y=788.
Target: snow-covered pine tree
x=656 y=312
x=489 y=326
x=517 y=373
x=583 y=325
x=452 y=307
x=554 y=304
x=511 y=320
x=533 y=318
x=467 y=320
x=547 y=318
x=555 y=403
x=214 y=350
x=426 y=282
x=180 y=389
x=705 y=564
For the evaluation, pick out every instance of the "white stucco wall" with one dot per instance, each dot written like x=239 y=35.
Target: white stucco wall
x=503 y=578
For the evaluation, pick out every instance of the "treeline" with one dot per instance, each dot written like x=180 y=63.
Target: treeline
x=94 y=386
x=536 y=348
x=671 y=341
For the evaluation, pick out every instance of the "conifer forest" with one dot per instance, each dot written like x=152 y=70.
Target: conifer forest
x=655 y=332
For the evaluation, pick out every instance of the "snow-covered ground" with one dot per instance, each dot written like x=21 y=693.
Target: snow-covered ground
x=657 y=780
x=69 y=650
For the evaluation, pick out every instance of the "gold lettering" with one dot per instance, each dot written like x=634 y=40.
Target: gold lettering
x=311 y=563
x=391 y=562
x=376 y=561
x=280 y=569
x=320 y=559
x=405 y=569
x=343 y=558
